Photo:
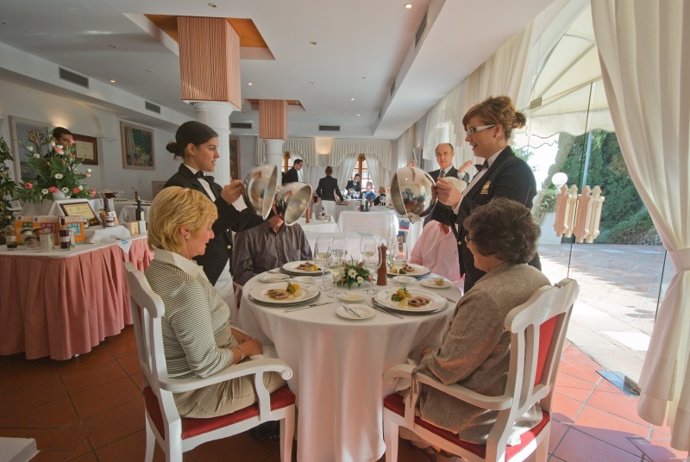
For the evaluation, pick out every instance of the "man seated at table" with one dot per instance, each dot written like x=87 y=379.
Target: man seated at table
x=266 y=246
x=437 y=249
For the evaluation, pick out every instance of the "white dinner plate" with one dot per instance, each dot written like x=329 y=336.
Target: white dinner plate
x=350 y=296
x=305 y=295
x=436 y=302
x=274 y=277
x=417 y=270
x=436 y=283
x=355 y=312
x=292 y=268
x=305 y=279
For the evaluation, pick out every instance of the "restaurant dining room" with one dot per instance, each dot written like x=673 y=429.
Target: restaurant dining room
x=344 y=231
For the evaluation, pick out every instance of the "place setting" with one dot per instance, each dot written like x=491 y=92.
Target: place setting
x=284 y=294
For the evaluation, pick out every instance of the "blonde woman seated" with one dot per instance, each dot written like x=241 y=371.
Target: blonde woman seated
x=475 y=348
x=197 y=336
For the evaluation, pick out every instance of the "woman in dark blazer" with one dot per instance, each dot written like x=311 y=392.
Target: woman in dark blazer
x=197 y=145
x=328 y=187
x=488 y=126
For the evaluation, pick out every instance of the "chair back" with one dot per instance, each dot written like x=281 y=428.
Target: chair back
x=538 y=329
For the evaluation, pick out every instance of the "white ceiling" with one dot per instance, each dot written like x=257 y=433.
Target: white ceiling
x=363 y=48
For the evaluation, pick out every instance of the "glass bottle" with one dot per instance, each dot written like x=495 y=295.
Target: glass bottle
x=10 y=238
x=139 y=213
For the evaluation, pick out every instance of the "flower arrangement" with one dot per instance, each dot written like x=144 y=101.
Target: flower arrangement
x=8 y=188
x=350 y=274
x=57 y=170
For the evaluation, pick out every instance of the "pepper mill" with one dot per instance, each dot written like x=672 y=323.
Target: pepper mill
x=381 y=276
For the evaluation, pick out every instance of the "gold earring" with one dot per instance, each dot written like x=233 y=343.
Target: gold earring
x=186 y=237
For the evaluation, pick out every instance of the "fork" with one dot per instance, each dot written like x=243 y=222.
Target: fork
x=350 y=310
x=288 y=310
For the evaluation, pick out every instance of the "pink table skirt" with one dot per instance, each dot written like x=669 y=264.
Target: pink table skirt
x=61 y=307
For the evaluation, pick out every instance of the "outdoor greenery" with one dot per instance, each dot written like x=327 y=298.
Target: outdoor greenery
x=8 y=188
x=624 y=219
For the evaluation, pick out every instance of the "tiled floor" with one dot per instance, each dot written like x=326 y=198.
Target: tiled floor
x=90 y=409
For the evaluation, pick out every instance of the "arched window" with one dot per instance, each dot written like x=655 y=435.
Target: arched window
x=286 y=158
x=362 y=169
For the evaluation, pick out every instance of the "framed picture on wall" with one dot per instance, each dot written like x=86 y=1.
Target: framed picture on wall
x=137 y=146
x=87 y=149
x=19 y=131
x=234 y=158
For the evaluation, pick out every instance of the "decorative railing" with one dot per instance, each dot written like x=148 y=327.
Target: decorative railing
x=578 y=214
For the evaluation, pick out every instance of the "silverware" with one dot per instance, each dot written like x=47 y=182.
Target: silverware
x=350 y=310
x=378 y=307
x=287 y=310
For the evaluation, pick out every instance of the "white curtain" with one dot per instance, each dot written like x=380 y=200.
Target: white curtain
x=502 y=74
x=644 y=51
x=344 y=170
x=374 y=172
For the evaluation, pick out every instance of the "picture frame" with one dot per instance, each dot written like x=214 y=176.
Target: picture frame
x=19 y=129
x=137 y=146
x=86 y=148
x=79 y=207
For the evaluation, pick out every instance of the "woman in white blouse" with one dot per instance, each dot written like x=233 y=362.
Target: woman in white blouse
x=198 y=338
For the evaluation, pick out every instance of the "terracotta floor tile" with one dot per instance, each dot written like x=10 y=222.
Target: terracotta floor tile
x=58 y=413
x=572 y=380
x=610 y=428
x=50 y=456
x=116 y=423
x=565 y=409
x=79 y=379
x=122 y=344
x=53 y=439
x=97 y=355
x=581 y=447
x=576 y=393
x=658 y=451
x=88 y=457
x=104 y=397
x=617 y=403
x=131 y=448
x=558 y=431
x=30 y=388
x=83 y=449
x=229 y=448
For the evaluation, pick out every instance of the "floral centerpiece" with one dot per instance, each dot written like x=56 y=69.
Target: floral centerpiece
x=57 y=170
x=350 y=274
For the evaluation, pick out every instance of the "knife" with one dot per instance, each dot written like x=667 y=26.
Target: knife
x=350 y=310
x=378 y=307
x=287 y=310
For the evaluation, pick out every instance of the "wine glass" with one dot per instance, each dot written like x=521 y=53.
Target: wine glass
x=398 y=254
x=321 y=256
x=369 y=248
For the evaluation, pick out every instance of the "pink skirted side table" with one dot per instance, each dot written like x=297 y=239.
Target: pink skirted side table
x=63 y=303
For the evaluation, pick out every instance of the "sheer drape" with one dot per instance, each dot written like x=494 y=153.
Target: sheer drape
x=644 y=50
x=502 y=74
x=374 y=172
x=344 y=170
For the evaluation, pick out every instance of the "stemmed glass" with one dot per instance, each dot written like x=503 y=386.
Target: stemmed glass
x=369 y=248
x=321 y=256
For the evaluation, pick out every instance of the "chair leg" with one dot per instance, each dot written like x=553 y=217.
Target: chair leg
x=287 y=433
x=541 y=454
x=150 y=441
x=390 y=436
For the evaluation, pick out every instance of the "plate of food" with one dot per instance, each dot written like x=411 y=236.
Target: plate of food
x=273 y=277
x=356 y=312
x=302 y=268
x=436 y=283
x=410 y=301
x=408 y=269
x=284 y=293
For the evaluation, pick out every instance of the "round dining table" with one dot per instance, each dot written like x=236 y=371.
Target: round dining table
x=338 y=365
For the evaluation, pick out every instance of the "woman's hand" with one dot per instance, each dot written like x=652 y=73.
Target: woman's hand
x=231 y=192
x=447 y=194
x=239 y=335
x=251 y=347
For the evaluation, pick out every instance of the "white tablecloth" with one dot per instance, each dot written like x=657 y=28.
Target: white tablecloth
x=382 y=223
x=338 y=366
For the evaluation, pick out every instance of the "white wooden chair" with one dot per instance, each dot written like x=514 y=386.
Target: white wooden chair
x=176 y=434
x=537 y=329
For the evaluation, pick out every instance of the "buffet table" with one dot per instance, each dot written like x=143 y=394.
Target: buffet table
x=338 y=366
x=63 y=303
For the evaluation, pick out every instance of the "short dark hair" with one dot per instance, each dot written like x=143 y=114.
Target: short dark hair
x=297 y=162
x=503 y=228
x=59 y=132
x=193 y=132
x=358 y=175
x=329 y=170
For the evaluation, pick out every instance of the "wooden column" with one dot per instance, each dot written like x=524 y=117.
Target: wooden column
x=209 y=60
x=273 y=129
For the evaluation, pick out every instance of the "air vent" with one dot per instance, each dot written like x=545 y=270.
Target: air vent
x=535 y=103
x=329 y=128
x=74 y=78
x=152 y=107
x=243 y=125
x=420 y=30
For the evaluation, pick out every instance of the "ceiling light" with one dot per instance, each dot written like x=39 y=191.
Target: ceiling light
x=359 y=115
x=364 y=77
x=353 y=99
x=212 y=5
x=311 y=83
x=408 y=6
x=112 y=45
x=112 y=81
x=249 y=84
x=312 y=42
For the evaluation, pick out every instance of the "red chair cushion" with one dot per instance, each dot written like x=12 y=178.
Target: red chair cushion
x=395 y=403
x=280 y=398
x=546 y=331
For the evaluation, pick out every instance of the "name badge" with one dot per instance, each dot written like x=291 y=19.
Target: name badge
x=485 y=188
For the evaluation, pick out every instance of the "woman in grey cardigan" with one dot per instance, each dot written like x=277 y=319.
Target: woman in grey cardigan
x=475 y=349
x=198 y=337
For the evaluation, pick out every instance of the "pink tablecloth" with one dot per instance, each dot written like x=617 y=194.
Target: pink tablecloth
x=63 y=306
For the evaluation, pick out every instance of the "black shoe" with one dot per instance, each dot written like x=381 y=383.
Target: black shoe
x=267 y=431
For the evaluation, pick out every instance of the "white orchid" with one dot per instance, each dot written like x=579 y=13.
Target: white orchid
x=59 y=176
x=44 y=191
x=37 y=155
x=352 y=273
x=65 y=190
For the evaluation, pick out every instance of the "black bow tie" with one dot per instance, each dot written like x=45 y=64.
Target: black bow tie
x=207 y=178
x=481 y=167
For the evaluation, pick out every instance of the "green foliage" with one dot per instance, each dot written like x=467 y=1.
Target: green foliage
x=8 y=188
x=57 y=169
x=624 y=218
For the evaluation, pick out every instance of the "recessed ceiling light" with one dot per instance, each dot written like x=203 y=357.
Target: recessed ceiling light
x=364 y=77
x=313 y=42
x=112 y=81
x=359 y=115
x=311 y=83
x=212 y=5
x=112 y=45
x=148 y=70
x=250 y=84
x=408 y=6
x=353 y=99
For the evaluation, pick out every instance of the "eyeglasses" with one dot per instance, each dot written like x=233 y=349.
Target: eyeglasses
x=473 y=130
x=467 y=240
